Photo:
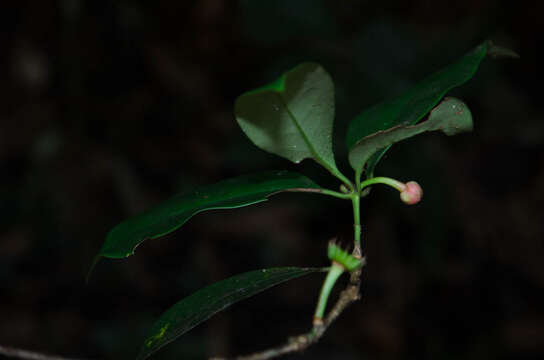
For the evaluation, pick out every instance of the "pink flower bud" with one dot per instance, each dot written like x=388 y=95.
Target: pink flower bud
x=412 y=193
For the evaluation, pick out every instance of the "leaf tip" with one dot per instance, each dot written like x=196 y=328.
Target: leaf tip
x=499 y=52
x=93 y=265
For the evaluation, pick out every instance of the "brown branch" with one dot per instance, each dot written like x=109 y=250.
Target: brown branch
x=301 y=342
x=29 y=355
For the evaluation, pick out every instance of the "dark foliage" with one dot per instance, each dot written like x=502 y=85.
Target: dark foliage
x=108 y=107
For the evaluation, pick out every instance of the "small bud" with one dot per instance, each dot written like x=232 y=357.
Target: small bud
x=344 y=189
x=412 y=193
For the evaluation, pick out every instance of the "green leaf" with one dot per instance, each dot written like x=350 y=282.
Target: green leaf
x=293 y=116
x=414 y=104
x=173 y=213
x=206 y=302
x=451 y=117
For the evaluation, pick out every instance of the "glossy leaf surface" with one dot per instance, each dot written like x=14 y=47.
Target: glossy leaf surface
x=413 y=105
x=173 y=213
x=206 y=302
x=293 y=116
x=451 y=117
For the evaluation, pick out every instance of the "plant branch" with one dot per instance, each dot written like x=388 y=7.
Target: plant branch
x=349 y=295
x=301 y=342
x=356 y=222
x=335 y=271
x=29 y=355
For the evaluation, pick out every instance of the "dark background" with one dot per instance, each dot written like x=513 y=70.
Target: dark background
x=109 y=107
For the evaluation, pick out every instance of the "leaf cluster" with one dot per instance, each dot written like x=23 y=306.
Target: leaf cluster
x=293 y=117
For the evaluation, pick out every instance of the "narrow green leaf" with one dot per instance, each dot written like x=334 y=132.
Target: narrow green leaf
x=451 y=117
x=208 y=301
x=414 y=104
x=293 y=116
x=173 y=213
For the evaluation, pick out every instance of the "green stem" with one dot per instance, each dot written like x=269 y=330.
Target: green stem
x=333 y=193
x=383 y=180
x=334 y=273
x=358 y=181
x=356 y=200
x=341 y=177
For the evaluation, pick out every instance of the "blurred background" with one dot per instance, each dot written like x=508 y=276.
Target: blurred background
x=109 y=107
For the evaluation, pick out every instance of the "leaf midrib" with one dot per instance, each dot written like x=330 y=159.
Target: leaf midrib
x=318 y=158
x=173 y=335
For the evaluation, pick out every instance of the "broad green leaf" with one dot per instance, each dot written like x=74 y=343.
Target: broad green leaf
x=173 y=213
x=451 y=117
x=414 y=104
x=204 y=303
x=293 y=116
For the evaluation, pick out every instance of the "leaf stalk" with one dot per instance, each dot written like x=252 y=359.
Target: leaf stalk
x=334 y=273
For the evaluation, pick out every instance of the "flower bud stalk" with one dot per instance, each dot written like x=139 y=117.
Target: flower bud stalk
x=410 y=193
